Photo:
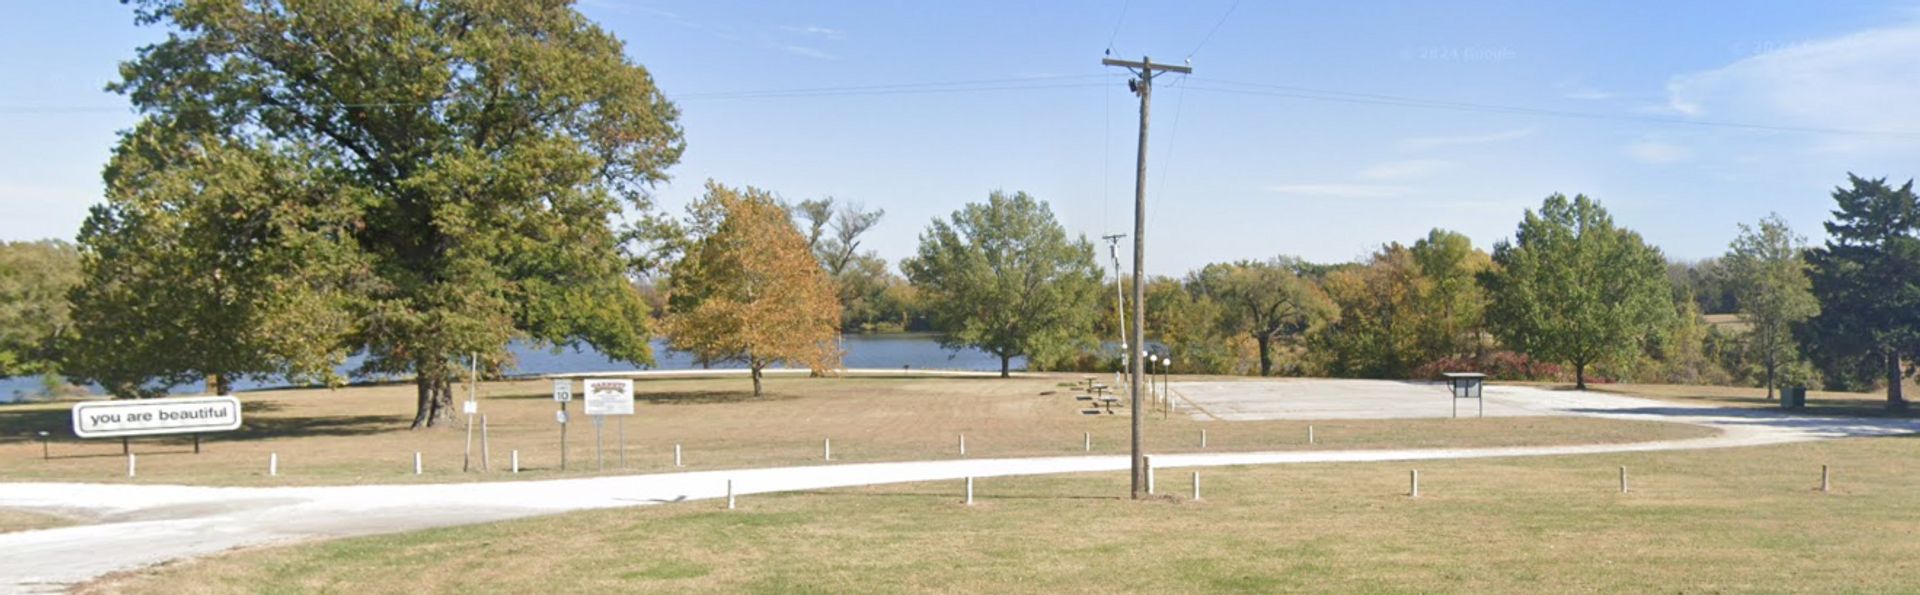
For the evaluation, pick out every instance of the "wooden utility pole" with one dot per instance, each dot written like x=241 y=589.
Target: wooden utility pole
x=1119 y=292
x=1144 y=72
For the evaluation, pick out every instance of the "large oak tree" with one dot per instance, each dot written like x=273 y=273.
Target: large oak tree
x=1573 y=288
x=1268 y=301
x=1004 y=277
x=472 y=155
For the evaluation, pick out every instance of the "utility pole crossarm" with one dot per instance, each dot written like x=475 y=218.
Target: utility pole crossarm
x=1147 y=65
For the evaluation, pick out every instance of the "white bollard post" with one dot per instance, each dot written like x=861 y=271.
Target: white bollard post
x=133 y=465
x=676 y=455
x=417 y=468
x=516 y=461
x=1825 y=485
x=1309 y=434
x=1196 y=486
x=1203 y=438
x=1088 y=437
x=1414 y=481
x=273 y=464
x=1148 y=463
x=969 y=491
x=1623 y=479
x=826 y=450
x=963 y=444
x=729 y=494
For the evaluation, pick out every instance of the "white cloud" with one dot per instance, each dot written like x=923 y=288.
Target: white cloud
x=816 y=30
x=1860 y=81
x=1657 y=153
x=1341 y=190
x=801 y=50
x=1420 y=143
x=1401 y=170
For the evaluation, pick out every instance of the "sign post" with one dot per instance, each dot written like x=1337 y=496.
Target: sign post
x=562 y=392
x=1466 y=385
x=608 y=396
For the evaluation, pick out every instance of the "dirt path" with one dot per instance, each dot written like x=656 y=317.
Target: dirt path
x=140 y=525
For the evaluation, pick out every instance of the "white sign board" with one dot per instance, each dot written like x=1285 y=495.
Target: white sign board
x=470 y=408
x=609 y=396
x=563 y=390
x=146 y=417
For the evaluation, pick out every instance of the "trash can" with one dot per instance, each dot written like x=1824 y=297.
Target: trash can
x=1793 y=397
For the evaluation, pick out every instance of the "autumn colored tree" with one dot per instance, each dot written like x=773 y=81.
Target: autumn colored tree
x=750 y=291
x=459 y=163
x=1004 y=277
x=1382 y=315
x=1267 y=301
x=1573 y=288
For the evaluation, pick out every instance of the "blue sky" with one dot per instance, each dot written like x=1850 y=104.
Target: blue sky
x=1314 y=129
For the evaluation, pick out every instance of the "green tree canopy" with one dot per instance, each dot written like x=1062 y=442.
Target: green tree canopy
x=1573 y=288
x=1867 y=279
x=471 y=156
x=1004 y=277
x=34 y=280
x=1769 y=278
x=210 y=259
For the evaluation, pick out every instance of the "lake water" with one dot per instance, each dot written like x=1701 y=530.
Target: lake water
x=920 y=351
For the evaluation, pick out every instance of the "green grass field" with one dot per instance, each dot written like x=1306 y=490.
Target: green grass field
x=1731 y=520
x=358 y=435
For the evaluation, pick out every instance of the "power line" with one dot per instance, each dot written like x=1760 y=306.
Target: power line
x=965 y=86
x=1116 y=25
x=1291 y=92
x=1215 y=29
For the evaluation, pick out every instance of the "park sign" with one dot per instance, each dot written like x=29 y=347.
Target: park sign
x=609 y=396
x=146 y=417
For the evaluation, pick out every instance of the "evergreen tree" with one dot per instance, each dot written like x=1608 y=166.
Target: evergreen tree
x=1867 y=280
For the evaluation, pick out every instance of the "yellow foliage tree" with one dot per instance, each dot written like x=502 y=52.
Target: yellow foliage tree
x=748 y=290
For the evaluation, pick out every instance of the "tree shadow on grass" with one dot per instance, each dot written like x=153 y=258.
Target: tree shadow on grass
x=955 y=494
x=26 y=425
x=704 y=397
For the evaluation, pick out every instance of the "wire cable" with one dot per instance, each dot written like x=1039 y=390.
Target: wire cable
x=1292 y=92
x=1215 y=29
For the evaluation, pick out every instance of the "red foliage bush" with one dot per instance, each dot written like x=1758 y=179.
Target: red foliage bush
x=1497 y=365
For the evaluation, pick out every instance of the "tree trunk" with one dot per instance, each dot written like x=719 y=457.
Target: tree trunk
x=1005 y=364
x=1580 y=376
x=1895 y=400
x=756 y=378
x=1266 y=355
x=434 y=401
x=1770 y=366
x=219 y=385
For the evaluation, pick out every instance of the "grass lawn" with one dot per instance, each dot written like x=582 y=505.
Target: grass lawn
x=1725 y=520
x=1819 y=402
x=358 y=435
